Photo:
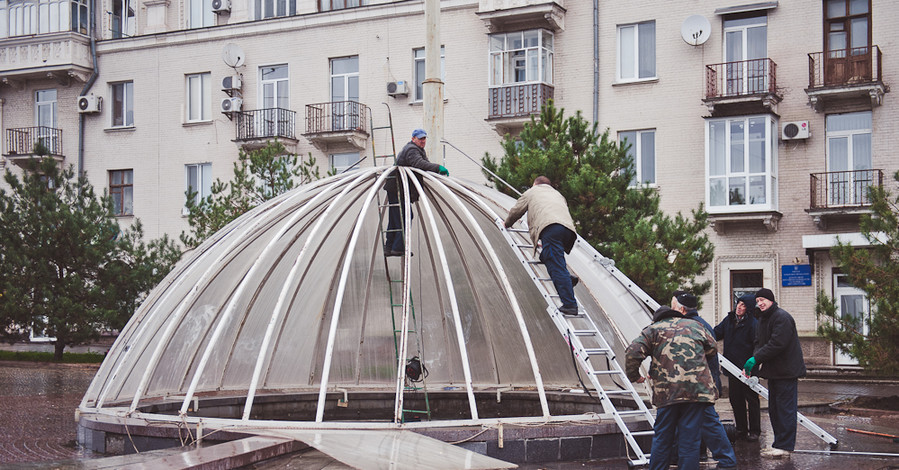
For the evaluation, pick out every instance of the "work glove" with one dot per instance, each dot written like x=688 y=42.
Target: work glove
x=442 y=170
x=750 y=364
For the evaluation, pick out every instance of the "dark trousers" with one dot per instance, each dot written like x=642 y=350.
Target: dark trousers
x=715 y=438
x=680 y=423
x=782 y=403
x=743 y=399
x=555 y=238
x=394 y=238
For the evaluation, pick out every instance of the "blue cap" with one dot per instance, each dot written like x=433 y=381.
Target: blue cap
x=419 y=134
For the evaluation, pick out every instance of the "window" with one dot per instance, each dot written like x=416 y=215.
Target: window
x=340 y=162
x=525 y=56
x=849 y=158
x=122 y=22
x=45 y=120
x=199 y=97
x=847 y=40
x=200 y=14
x=852 y=304
x=418 y=59
x=642 y=151
x=744 y=282
x=637 y=51
x=121 y=189
x=745 y=52
x=198 y=178
x=346 y=112
x=741 y=169
x=122 y=104
x=275 y=8
x=47 y=16
x=325 y=5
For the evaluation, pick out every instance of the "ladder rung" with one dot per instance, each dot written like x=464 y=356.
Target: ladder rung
x=518 y=230
x=584 y=332
x=525 y=245
x=618 y=392
x=605 y=372
x=597 y=351
x=631 y=413
x=642 y=433
x=534 y=261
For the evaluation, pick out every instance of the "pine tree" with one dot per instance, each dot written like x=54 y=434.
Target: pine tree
x=874 y=270
x=259 y=175
x=623 y=222
x=68 y=270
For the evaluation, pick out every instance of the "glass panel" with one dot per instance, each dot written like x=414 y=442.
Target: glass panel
x=737 y=147
x=857 y=7
x=353 y=87
x=547 y=40
x=629 y=139
x=836 y=8
x=626 y=43
x=861 y=152
x=118 y=104
x=497 y=42
x=859 y=32
x=192 y=176
x=206 y=183
x=757 y=128
x=532 y=38
x=345 y=65
x=648 y=157
x=338 y=91
x=519 y=72
x=496 y=65
x=838 y=155
x=757 y=190
x=647 y=48
x=733 y=49
x=717 y=148
x=737 y=191
x=717 y=192
x=532 y=64
x=848 y=121
x=515 y=41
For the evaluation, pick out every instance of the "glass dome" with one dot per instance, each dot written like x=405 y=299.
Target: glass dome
x=296 y=298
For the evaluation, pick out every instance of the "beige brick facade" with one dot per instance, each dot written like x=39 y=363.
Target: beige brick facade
x=383 y=34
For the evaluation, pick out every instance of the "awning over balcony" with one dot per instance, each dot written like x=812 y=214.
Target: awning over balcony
x=511 y=15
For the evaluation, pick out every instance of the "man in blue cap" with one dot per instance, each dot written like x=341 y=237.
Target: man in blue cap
x=413 y=154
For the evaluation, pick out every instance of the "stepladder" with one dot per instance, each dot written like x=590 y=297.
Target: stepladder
x=591 y=352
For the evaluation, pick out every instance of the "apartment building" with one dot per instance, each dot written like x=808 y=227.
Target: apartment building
x=774 y=115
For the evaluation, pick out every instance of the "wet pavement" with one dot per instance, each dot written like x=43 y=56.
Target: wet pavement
x=38 y=402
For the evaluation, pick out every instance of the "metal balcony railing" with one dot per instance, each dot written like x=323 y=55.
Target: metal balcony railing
x=266 y=123
x=336 y=116
x=844 y=67
x=518 y=100
x=745 y=77
x=22 y=141
x=843 y=189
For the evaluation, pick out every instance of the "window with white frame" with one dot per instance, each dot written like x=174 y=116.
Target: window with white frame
x=340 y=162
x=121 y=190
x=22 y=18
x=122 y=104
x=642 y=150
x=199 y=97
x=275 y=8
x=637 y=51
x=849 y=158
x=418 y=59
x=200 y=14
x=741 y=154
x=521 y=57
x=122 y=24
x=326 y=5
x=198 y=180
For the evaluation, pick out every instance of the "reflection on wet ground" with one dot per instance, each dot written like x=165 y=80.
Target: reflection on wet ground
x=39 y=401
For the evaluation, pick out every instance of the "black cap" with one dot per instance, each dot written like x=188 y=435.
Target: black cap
x=765 y=294
x=685 y=298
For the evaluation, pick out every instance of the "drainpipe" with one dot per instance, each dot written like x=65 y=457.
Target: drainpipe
x=87 y=86
x=595 y=61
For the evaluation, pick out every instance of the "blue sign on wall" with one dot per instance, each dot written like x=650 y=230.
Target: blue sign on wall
x=794 y=275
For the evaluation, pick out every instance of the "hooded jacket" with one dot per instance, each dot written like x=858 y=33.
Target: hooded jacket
x=777 y=346
x=738 y=335
x=679 y=348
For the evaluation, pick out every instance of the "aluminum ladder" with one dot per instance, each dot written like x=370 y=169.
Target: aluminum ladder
x=591 y=350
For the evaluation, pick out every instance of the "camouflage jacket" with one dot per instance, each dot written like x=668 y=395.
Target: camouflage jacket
x=679 y=370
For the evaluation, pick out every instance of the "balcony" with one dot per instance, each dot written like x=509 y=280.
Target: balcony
x=255 y=128
x=337 y=123
x=511 y=15
x=835 y=77
x=21 y=143
x=511 y=106
x=841 y=194
x=742 y=87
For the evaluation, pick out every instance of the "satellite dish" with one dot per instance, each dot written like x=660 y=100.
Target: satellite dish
x=696 y=30
x=233 y=55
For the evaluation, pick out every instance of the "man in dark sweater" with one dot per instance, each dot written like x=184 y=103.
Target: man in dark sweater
x=738 y=330
x=779 y=354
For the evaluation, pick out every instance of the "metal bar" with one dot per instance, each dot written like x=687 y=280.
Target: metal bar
x=482 y=167
x=454 y=304
x=407 y=292
x=281 y=304
x=338 y=303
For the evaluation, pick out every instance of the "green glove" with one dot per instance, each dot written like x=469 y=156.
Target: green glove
x=442 y=170
x=750 y=363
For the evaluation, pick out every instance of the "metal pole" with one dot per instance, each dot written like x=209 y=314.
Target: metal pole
x=482 y=167
x=432 y=86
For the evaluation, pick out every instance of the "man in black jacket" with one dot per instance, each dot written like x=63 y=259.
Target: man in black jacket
x=738 y=330
x=778 y=351
x=413 y=154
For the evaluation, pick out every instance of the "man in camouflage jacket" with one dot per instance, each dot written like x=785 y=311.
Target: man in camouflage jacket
x=682 y=383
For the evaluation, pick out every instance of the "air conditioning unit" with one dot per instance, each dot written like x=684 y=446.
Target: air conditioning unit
x=89 y=104
x=231 y=83
x=221 y=6
x=794 y=130
x=397 y=88
x=231 y=105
